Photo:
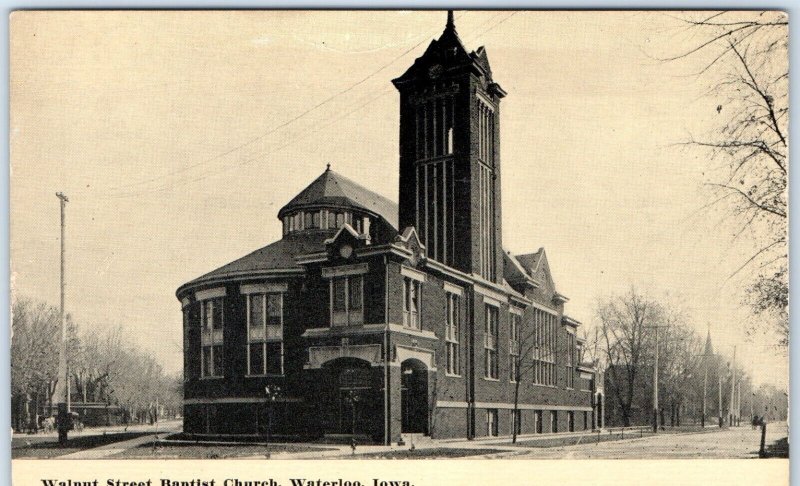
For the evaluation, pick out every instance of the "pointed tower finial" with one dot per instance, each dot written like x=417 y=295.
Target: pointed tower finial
x=709 y=349
x=327 y=167
x=450 y=22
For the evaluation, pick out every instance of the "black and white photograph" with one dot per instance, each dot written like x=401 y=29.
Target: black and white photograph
x=398 y=234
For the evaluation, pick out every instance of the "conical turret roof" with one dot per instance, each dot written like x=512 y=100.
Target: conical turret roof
x=337 y=191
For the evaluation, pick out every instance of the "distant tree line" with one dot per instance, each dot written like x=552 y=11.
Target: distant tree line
x=687 y=368
x=104 y=367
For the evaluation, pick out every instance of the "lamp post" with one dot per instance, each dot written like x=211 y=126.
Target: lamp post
x=272 y=394
x=352 y=397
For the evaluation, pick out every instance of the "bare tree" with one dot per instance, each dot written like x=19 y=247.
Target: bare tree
x=746 y=56
x=524 y=339
x=103 y=366
x=626 y=323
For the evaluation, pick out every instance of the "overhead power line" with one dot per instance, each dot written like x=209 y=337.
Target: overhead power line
x=276 y=128
x=260 y=156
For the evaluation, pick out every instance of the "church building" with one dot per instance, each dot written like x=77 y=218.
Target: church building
x=375 y=320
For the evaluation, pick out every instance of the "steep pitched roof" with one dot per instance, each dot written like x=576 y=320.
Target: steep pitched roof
x=709 y=351
x=447 y=50
x=275 y=256
x=513 y=271
x=539 y=269
x=448 y=53
x=531 y=260
x=333 y=189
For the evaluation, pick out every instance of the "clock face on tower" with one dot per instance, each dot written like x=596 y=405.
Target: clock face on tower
x=435 y=71
x=345 y=251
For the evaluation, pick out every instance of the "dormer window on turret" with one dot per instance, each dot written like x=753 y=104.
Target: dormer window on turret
x=325 y=219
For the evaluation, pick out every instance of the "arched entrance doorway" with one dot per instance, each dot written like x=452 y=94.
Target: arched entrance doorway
x=349 y=380
x=414 y=396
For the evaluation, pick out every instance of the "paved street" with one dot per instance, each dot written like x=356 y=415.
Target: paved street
x=739 y=442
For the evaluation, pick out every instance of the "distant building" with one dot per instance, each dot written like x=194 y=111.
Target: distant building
x=378 y=320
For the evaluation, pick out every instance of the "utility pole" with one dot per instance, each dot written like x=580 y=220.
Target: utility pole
x=655 y=380
x=655 y=387
x=62 y=387
x=719 y=390
x=739 y=404
x=705 y=388
x=733 y=389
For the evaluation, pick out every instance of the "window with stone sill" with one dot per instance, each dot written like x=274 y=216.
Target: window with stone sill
x=452 y=334
x=265 y=334
x=491 y=329
x=212 y=337
x=411 y=303
x=347 y=300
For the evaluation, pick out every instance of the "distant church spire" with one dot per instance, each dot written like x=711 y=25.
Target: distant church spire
x=709 y=348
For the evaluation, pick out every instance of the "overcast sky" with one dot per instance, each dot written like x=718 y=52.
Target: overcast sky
x=178 y=135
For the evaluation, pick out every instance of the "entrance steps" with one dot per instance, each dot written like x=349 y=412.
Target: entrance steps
x=418 y=439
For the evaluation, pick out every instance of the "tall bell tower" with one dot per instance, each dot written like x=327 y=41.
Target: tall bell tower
x=450 y=155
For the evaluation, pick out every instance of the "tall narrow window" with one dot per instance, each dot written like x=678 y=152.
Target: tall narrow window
x=211 y=337
x=491 y=422
x=544 y=353
x=452 y=334
x=265 y=335
x=449 y=140
x=411 y=295
x=513 y=346
x=570 y=360
x=486 y=189
x=490 y=342
x=347 y=300
x=434 y=119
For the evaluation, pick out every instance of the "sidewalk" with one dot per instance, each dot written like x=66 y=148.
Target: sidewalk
x=501 y=444
x=165 y=425
x=103 y=452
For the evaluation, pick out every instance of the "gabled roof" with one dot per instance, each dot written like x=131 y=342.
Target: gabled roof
x=531 y=260
x=335 y=190
x=513 y=271
x=277 y=256
x=539 y=270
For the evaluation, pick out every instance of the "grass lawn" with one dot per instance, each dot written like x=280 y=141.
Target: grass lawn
x=41 y=447
x=594 y=438
x=432 y=453
x=196 y=450
x=579 y=439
